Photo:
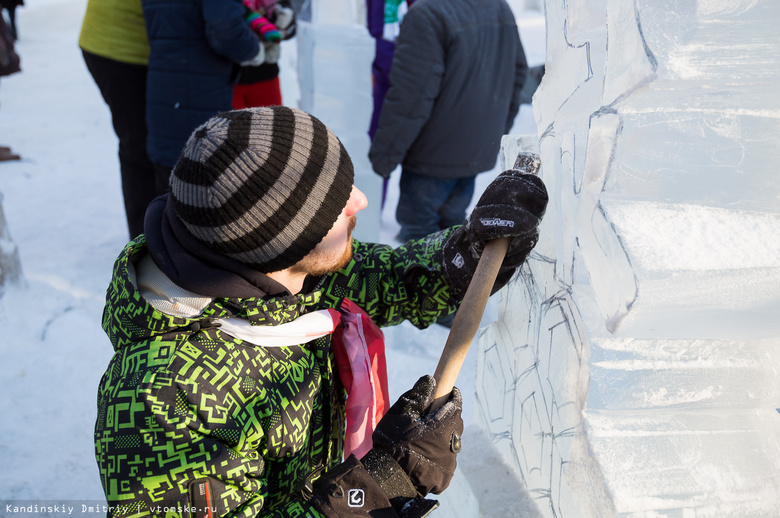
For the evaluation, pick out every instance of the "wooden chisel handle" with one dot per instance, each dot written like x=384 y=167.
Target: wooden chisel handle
x=467 y=320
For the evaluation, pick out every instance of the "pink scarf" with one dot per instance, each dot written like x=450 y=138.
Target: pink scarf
x=359 y=348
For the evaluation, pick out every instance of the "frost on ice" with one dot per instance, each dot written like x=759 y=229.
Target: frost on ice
x=645 y=382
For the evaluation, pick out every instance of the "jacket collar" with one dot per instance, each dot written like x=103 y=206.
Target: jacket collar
x=129 y=318
x=194 y=266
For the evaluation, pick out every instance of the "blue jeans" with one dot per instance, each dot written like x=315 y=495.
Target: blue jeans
x=427 y=204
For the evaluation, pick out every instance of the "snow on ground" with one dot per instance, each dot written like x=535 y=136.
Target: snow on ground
x=64 y=210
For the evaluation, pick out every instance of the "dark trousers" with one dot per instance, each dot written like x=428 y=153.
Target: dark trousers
x=12 y=21
x=123 y=87
x=427 y=204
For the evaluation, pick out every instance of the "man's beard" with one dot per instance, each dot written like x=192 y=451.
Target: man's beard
x=319 y=262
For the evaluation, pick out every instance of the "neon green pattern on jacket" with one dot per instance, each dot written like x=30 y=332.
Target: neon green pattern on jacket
x=181 y=400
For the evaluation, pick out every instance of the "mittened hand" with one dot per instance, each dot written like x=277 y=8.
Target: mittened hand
x=284 y=17
x=258 y=59
x=425 y=446
x=272 y=52
x=511 y=206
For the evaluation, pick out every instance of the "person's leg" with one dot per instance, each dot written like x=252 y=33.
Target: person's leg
x=261 y=93
x=453 y=210
x=162 y=175
x=419 y=201
x=239 y=100
x=264 y=93
x=380 y=84
x=380 y=77
x=123 y=87
x=12 y=22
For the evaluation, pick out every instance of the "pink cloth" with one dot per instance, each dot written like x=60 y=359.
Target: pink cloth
x=359 y=347
x=267 y=6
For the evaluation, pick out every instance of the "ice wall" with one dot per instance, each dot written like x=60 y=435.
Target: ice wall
x=633 y=370
x=335 y=52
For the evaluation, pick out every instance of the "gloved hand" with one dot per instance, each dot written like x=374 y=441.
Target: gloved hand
x=284 y=16
x=424 y=446
x=258 y=59
x=272 y=52
x=413 y=455
x=348 y=490
x=512 y=206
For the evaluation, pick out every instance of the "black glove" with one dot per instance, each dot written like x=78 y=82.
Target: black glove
x=412 y=456
x=424 y=446
x=512 y=206
x=349 y=490
x=353 y=489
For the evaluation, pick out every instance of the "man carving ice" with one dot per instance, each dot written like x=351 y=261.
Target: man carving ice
x=234 y=388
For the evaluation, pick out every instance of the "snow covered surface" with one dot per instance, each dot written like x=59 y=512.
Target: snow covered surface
x=64 y=211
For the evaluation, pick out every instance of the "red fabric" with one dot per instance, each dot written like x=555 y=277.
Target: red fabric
x=359 y=348
x=263 y=93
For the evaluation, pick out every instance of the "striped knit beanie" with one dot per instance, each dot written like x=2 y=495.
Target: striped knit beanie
x=263 y=185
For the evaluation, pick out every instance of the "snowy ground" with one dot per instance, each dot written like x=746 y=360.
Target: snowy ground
x=64 y=211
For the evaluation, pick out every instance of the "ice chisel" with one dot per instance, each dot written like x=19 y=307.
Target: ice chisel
x=467 y=319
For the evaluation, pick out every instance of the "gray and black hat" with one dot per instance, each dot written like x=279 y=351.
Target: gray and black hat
x=262 y=185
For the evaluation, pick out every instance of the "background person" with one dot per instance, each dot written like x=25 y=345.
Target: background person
x=116 y=51
x=258 y=85
x=195 y=48
x=9 y=64
x=10 y=6
x=457 y=74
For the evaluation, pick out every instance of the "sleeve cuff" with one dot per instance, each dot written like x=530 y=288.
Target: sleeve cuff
x=349 y=490
x=388 y=474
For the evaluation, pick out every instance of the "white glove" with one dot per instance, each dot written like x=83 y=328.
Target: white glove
x=272 y=52
x=257 y=60
x=284 y=17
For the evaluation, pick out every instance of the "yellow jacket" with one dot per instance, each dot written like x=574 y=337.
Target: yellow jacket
x=115 y=29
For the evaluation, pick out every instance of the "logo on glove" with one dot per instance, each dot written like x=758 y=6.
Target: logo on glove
x=458 y=261
x=497 y=222
x=356 y=498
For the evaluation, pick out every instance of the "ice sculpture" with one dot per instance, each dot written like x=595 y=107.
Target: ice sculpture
x=334 y=73
x=634 y=367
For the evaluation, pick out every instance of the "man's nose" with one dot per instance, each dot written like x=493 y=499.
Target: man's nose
x=357 y=202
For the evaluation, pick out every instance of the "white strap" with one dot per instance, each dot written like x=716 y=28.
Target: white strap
x=163 y=294
x=303 y=329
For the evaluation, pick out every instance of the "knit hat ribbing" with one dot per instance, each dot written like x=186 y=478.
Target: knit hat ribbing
x=262 y=185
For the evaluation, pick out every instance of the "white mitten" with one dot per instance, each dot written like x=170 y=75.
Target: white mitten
x=259 y=59
x=272 y=52
x=284 y=17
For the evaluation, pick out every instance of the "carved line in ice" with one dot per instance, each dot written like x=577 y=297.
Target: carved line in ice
x=539 y=415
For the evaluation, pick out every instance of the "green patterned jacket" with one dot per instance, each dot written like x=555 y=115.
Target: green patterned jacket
x=182 y=401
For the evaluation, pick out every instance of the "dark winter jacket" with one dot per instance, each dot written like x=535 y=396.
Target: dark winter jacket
x=183 y=401
x=456 y=78
x=194 y=48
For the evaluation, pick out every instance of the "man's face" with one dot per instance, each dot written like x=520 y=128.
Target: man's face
x=335 y=249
